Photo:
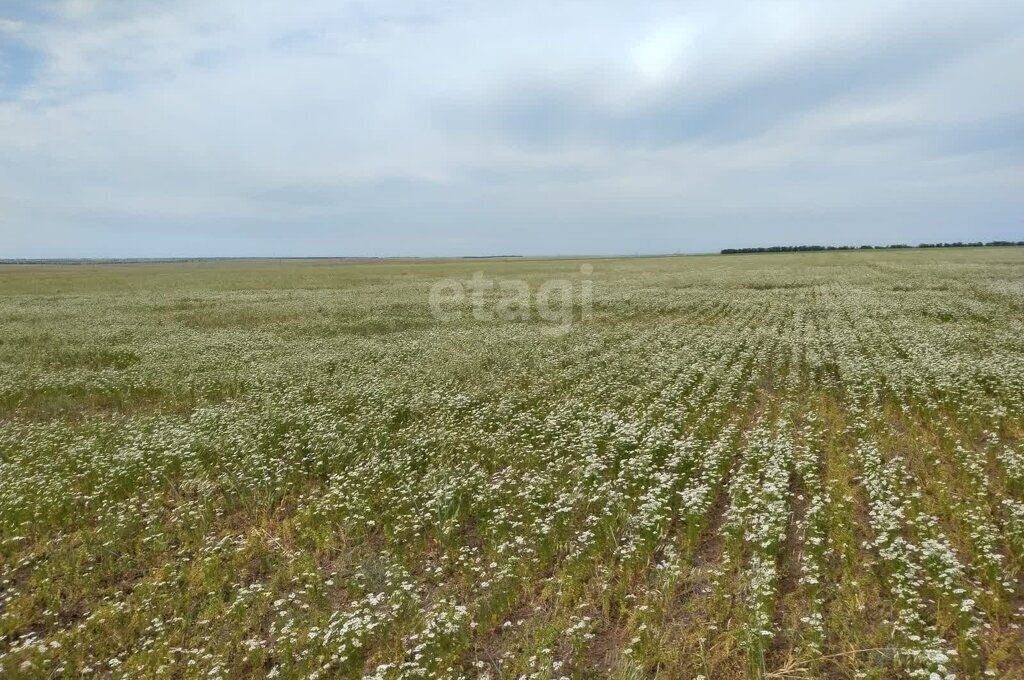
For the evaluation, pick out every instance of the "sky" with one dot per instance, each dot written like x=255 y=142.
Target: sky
x=180 y=128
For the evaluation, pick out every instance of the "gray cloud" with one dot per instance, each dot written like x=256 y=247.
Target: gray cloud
x=192 y=128
x=545 y=113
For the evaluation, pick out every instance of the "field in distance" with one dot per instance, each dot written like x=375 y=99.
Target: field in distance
x=764 y=466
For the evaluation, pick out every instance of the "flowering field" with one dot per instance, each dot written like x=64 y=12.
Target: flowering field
x=743 y=466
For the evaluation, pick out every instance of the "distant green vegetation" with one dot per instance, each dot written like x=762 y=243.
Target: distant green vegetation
x=811 y=249
x=803 y=465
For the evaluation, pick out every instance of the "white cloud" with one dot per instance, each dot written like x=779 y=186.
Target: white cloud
x=661 y=52
x=395 y=126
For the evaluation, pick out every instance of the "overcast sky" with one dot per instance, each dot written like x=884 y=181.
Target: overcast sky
x=180 y=128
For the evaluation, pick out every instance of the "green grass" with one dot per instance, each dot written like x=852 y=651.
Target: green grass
x=785 y=465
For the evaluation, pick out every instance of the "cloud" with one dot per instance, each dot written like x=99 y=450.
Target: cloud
x=393 y=127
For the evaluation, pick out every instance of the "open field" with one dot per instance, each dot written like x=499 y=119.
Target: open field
x=748 y=466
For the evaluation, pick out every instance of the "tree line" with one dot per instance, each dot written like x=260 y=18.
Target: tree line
x=805 y=249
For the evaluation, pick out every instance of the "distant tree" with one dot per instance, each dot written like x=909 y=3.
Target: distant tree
x=818 y=248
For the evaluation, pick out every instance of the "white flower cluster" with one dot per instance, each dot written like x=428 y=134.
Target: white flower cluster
x=734 y=468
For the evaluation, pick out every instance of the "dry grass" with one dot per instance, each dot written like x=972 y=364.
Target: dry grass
x=780 y=466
